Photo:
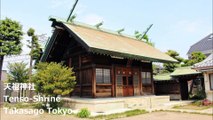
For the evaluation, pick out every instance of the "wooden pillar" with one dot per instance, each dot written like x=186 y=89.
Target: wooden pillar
x=113 y=81
x=153 y=87
x=70 y=62
x=140 y=82
x=93 y=82
x=80 y=75
x=184 y=89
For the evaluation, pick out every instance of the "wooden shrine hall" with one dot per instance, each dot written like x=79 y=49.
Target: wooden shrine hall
x=106 y=63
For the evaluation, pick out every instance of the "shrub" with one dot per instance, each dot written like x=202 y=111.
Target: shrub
x=54 y=79
x=199 y=95
x=83 y=113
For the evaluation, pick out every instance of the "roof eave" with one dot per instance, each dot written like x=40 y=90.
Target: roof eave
x=128 y=56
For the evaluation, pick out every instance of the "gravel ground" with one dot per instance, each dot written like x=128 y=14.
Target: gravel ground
x=169 y=116
x=4 y=116
x=149 y=116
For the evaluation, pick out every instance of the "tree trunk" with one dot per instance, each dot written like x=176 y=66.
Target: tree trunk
x=1 y=92
x=1 y=65
x=30 y=71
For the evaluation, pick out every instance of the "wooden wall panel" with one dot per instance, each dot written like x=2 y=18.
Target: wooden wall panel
x=103 y=91
x=119 y=86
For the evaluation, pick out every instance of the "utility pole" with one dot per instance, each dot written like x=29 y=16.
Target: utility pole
x=71 y=11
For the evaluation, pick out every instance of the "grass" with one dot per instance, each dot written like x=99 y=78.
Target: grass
x=192 y=107
x=105 y=117
x=196 y=105
x=119 y=115
x=21 y=105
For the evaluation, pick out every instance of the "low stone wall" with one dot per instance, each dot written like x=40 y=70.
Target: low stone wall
x=209 y=95
x=94 y=105
x=107 y=104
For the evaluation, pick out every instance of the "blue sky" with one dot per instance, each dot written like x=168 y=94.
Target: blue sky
x=177 y=23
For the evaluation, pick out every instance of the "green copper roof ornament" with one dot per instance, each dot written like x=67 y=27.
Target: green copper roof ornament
x=120 y=30
x=99 y=24
x=72 y=18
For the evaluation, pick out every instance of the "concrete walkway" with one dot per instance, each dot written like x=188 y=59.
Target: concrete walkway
x=168 y=116
x=205 y=111
x=166 y=107
x=171 y=104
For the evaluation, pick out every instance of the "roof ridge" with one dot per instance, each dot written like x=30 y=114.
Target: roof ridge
x=203 y=39
x=200 y=41
x=85 y=25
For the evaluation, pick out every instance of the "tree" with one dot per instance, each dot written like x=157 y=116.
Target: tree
x=196 y=57
x=139 y=36
x=10 y=39
x=18 y=73
x=53 y=79
x=170 y=67
x=35 y=48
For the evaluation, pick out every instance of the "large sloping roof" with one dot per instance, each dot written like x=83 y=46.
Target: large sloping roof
x=204 y=45
x=184 y=71
x=205 y=64
x=102 y=41
x=105 y=42
x=163 y=77
x=181 y=71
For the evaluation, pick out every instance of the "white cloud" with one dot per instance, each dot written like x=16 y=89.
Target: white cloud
x=61 y=3
x=189 y=26
x=56 y=3
x=80 y=8
x=80 y=11
x=91 y=19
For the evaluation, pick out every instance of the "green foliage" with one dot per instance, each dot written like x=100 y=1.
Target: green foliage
x=120 y=115
x=34 y=45
x=55 y=105
x=199 y=95
x=197 y=103
x=21 y=105
x=72 y=18
x=170 y=67
x=196 y=57
x=157 y=69
x=18 y=72
x=83 y=113
x=54 y=79
x=144 y=38
x=10 y=37
x=134 y=112
x=39 y=105
x=175 y=55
